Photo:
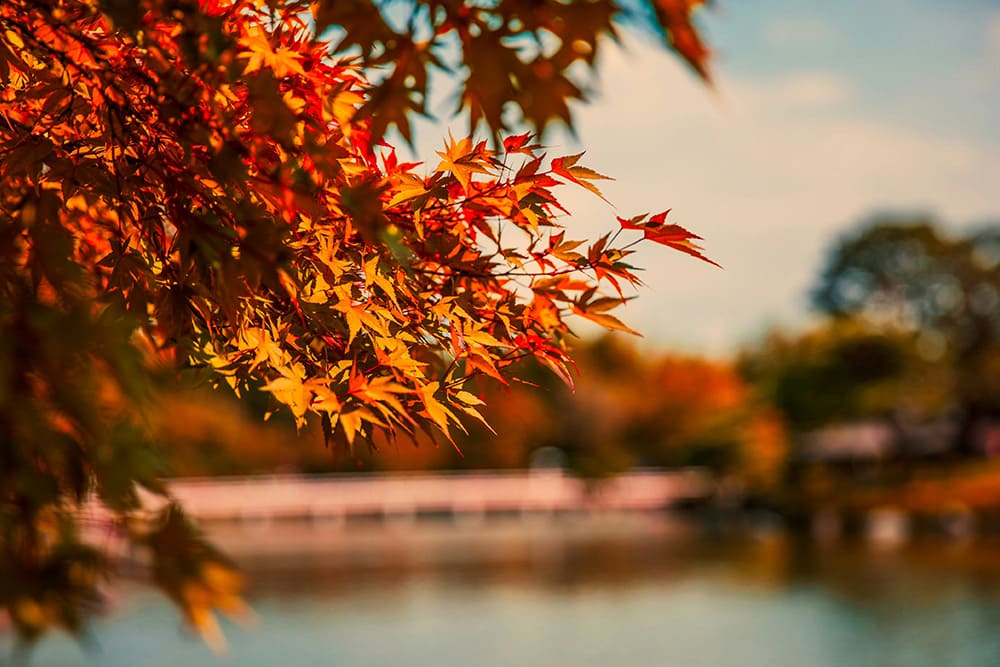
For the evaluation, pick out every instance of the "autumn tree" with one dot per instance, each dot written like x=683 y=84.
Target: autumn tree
x=635 y=408
x=205 y=189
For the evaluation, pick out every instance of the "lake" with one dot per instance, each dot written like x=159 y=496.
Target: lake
x=618 y=591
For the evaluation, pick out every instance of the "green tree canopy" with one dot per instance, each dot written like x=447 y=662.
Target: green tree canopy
x=845 y=371
x=910 y=274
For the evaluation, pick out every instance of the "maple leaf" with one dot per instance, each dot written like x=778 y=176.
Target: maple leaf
x=596 y=311
x=434 y=409
x=291 y=391
x=568 y=168
x=673 y=236
x=407 y=187
x=675 y=19
x=466 y=402
x=462 y=160
x=519 y=144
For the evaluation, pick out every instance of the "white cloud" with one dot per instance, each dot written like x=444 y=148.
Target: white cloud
x=808 y=91
x=793 y=32
x=768 y=177
x=993 y=37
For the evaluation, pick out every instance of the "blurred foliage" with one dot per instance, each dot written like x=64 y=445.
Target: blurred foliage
x=192 y=572
x=909 y=274
x=638 y=409
x=895 y=397
x=514 y=61
x=845 y=371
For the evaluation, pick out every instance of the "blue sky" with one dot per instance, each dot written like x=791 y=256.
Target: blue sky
x=823 y=114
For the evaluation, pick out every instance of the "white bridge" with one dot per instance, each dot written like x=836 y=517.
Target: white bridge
x=461 y=494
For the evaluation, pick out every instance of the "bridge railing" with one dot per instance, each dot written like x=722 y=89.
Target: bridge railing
x=276 y=497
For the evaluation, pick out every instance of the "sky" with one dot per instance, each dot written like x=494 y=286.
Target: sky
x=823 y=114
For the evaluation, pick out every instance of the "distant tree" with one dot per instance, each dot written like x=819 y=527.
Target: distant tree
x=845 y=371
x=205 y=188
x=908 y=273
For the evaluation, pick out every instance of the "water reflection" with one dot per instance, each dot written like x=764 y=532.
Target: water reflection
x=633 y=590
x=616 y=552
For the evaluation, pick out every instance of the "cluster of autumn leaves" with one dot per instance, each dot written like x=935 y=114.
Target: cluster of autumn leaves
x=628 y=408
x=205 y=188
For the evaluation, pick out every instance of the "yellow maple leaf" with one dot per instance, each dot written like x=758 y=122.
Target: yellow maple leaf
x=462 y=160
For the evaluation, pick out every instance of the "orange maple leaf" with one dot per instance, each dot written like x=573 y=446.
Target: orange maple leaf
x=674 y=236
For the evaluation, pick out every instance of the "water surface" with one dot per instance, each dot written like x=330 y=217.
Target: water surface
x=617 y=591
